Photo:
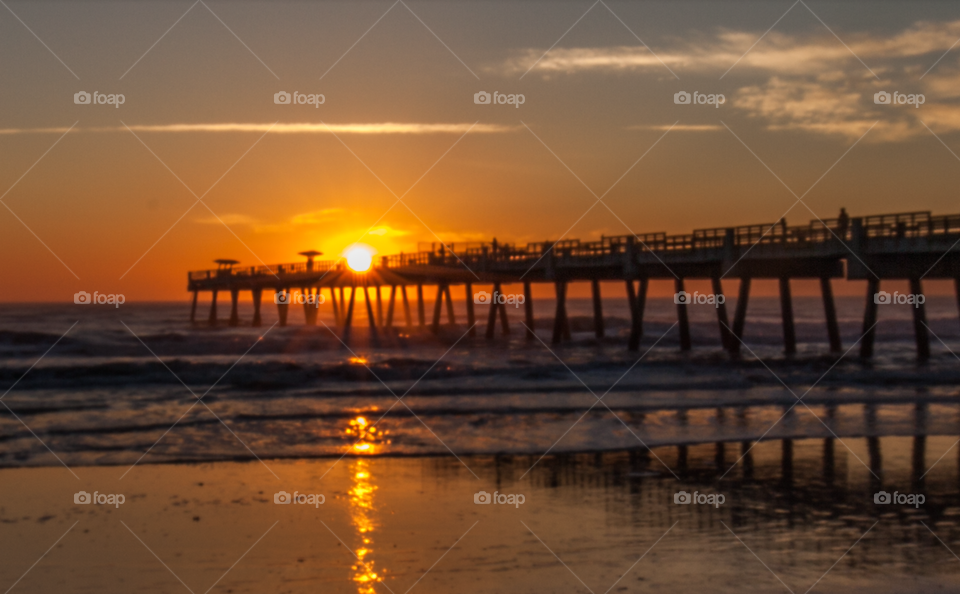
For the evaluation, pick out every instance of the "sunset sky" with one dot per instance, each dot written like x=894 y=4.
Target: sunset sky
x=113 y=206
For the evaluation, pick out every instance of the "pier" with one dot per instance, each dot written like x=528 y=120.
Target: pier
x=912 y=246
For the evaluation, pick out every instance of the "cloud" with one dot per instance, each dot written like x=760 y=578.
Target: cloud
x=680 y=127
x=303 y=219
x=809 y=82
x=315 y=217
x=808 y=54
x=295 y=128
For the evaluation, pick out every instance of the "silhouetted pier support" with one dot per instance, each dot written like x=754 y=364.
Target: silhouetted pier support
x=335 y=306
x=870 y=318
x=724 y=323
x=497 y=307
x=637 y=301
x=443 y=291
x=597 y=309
x=257 y=298
x=920 y=321
x=283 y=304
x=371 y=320
x=561 y=326
x=786 y=312
x=193 y=308
x=830 y=312
x=234 y=299
x=740 y=316
x=471 y=314
x=311 y=305
x=348 y=317
x=406 y=307
x=528 y=310
x=421 y=313
x=451 y=317
x=682 y=318
x=920 y=330
x=379 y=307
x=391 y=306
x=212 y=320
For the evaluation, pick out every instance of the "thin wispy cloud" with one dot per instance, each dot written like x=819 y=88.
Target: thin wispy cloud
x=293 y=128
x=680 y=127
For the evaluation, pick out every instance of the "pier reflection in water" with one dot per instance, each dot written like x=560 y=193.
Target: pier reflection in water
x=800 y=503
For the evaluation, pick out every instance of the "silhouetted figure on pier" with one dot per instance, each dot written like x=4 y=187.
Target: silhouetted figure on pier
x=843 y=223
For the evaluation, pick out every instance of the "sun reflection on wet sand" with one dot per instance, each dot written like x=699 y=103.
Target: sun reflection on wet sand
x=363 y=515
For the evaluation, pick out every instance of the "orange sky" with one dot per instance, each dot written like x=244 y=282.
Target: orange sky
x=113 y=205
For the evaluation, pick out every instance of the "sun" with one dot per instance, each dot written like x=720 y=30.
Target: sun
x=359 y=257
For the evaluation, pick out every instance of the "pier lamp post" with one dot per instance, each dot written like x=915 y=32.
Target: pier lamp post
x=310 y=255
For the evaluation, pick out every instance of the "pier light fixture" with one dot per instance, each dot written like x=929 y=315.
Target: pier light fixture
x=359 y=257
x=310 y=255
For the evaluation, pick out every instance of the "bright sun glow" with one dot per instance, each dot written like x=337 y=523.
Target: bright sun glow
x=359 y=258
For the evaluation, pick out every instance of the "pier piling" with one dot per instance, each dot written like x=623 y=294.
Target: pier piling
x=786 y=312
x=830 y=312
x=682 y=318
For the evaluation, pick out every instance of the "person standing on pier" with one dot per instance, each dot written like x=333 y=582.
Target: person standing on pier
x=843 y=222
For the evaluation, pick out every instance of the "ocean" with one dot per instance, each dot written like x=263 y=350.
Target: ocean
x=118 y=378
